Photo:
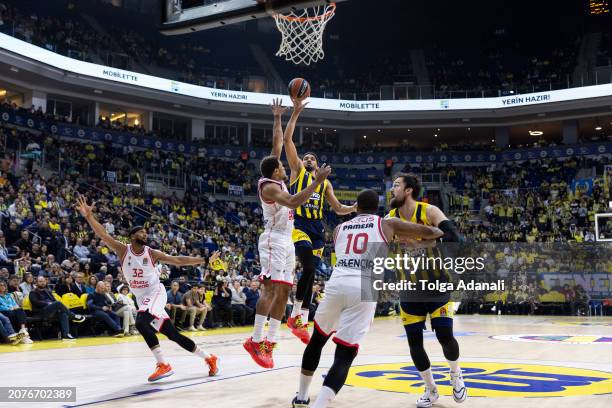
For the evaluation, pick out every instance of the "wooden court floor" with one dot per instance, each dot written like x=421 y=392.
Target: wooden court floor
x=508 y=361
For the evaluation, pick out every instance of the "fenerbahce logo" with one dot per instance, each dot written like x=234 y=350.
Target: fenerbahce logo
x=486 y=379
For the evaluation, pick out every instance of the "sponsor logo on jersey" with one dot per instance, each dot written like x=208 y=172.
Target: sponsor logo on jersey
x=145 y=262
x=502 y=380
x=557 y=338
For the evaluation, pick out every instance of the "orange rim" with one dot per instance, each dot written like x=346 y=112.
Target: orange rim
x=314 y=18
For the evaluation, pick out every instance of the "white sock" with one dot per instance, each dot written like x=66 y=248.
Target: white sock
x=201 y=352
x=454 y=366
x=158 y=355
x=324 y=398
x=260 y=322
x=297 y=306
x=305 y=313
x=427 y=376
x=272 y=329
x=305 y=381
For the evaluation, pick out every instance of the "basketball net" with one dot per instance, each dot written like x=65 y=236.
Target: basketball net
x=302 y=33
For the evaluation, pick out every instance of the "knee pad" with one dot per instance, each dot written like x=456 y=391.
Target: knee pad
x=170 y=331
x=343 y=359
x=312 y=353
x=450 y=347
x=143 y=324
x=417 y=351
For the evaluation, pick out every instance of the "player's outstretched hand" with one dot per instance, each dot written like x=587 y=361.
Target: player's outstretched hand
x=214 y=256
x=298 y=106
x=85 y=209
x=277 y=107
x=323 y=172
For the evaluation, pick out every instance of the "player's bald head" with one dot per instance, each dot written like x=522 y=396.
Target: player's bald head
x=367 y=202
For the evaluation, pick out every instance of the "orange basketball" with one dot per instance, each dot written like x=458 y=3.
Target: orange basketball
x=299 y=88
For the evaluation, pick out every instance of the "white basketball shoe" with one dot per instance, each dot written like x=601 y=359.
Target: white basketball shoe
x=459 y=390
x=428 y=398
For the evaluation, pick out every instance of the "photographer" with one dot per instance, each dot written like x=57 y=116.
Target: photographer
x=222 y=305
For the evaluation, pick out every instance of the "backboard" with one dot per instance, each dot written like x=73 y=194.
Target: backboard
x=186 y=16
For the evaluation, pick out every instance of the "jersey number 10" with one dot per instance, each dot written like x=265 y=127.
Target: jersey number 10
x=360 y=243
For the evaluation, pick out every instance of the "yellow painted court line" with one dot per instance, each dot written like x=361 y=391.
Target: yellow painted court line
x=582 y=339
x=105 y=340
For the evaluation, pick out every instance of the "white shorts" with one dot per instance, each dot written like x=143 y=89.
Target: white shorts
x=344 y=313
x=277 y=257
x=155 y=304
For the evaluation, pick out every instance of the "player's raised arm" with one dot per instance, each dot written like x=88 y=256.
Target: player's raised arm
x=273 y=192
x=335 y=204
x=403 y=229
x=295 y=164
x=277 y=138
x=87 y=213
x=181 y=260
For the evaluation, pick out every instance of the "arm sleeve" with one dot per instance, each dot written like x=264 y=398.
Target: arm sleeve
x=451 y=234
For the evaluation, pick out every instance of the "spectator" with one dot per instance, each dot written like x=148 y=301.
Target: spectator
x=239 y=307
x=79 y=284
x=252 y=294
x=44 y=303
x=175 y=303
x=128 y=310
x=66 y=285
x=194 y=302
x=27 y=285
x=222 y=304
x=100 y=308
x=12 y=311
x=81 y=251
x=91 y=284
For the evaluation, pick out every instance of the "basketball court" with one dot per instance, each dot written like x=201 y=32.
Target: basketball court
x=508 y=361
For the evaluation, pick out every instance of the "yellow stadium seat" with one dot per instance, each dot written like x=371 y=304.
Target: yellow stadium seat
x=552 y=296
x=84 y=300
x=27 y=305
x=71 y=301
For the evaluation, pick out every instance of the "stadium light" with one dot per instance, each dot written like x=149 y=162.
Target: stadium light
x=536 y=133
x=598 y=127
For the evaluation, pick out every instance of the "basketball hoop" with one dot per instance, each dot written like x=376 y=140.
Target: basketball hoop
x=302 y=33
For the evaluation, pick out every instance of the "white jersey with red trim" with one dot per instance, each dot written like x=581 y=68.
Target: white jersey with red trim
x=277 y=218
x=143 y=279
x=352 y=240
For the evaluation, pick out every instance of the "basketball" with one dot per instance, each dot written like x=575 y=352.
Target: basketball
x=299 y=88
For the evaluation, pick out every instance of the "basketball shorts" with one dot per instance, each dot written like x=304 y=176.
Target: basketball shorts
x=414 y=315
x=309 y=233
x=155 y=304
x=344 y=313
x=277 y=257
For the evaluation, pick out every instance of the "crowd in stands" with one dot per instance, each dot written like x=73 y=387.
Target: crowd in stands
x=48 y=252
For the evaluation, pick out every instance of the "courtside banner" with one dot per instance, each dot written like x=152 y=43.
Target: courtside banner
x=88 y=69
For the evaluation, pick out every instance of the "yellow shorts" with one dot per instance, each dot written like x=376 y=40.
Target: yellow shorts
x=414 y=314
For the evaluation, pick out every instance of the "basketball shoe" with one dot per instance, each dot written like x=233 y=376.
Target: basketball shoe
x=428 y=398
x=459 y=390
x=212 y=365
x=299 y=329
x=258 y=352
x=162 y=370
x=296 y=403
x=270 y=348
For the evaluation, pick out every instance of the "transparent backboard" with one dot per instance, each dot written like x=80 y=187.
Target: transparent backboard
x=186 y=16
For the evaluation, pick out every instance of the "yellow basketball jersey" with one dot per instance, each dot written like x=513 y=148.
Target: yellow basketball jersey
x=313 y=208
